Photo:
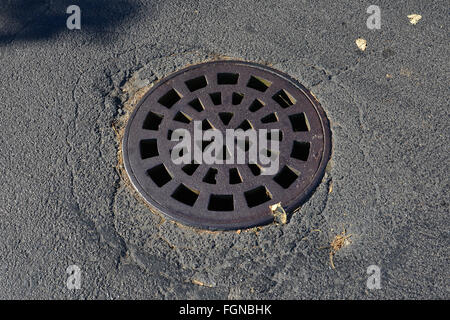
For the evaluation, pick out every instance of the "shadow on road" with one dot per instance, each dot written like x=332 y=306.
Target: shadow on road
x=28 y=20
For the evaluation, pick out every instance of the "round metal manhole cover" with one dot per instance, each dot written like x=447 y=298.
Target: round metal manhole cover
x=226 y=97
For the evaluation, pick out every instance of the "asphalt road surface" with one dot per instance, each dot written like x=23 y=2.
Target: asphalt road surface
x=64 y=202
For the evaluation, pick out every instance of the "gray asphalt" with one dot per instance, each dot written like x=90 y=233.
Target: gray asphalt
x=63 y=202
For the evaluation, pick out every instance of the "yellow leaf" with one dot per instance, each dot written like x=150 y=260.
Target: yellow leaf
x=361 y=43
x=414 y=18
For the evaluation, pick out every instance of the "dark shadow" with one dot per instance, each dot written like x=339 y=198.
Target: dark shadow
x=40 y=19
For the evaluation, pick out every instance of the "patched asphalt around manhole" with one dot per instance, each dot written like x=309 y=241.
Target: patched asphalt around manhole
x=226 y=95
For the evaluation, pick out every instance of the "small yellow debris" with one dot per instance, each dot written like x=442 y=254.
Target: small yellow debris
x=278 y=212
x=388 y=76
x=414 y=18
x=199 y=283
x=340 y=241
x=273 y=207
x=405 y=72
x=361 y=43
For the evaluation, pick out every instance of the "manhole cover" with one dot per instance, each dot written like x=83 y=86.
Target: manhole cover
x=225 y=95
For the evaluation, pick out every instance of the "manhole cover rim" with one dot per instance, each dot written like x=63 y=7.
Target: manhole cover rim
x=206 y=224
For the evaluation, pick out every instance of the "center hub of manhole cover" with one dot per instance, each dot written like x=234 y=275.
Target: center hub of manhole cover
x=215 y=144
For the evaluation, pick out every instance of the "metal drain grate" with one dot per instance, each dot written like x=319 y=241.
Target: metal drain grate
x=222 y=95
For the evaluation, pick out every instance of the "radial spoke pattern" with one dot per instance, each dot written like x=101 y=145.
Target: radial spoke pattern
x=236 y=189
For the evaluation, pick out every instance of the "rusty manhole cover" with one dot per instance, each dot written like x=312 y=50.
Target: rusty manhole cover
x=224 y=95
